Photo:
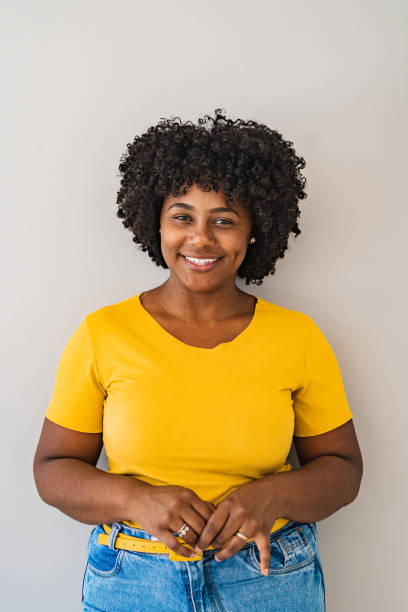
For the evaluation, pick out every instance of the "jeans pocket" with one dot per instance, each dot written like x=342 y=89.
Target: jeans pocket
x=289 y=551
x=102 y=560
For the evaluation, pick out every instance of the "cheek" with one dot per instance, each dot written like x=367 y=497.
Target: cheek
x=171 y=237
x=239 y=246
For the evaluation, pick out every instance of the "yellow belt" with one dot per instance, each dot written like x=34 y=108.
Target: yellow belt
x=135 y=544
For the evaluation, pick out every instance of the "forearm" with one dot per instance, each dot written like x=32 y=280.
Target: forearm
x=86 y=493
x=316 y=490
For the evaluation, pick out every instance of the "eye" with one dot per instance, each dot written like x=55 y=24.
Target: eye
x=227 y=220
x=183 y=217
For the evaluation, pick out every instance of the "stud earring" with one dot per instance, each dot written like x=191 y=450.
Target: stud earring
x=252 y=240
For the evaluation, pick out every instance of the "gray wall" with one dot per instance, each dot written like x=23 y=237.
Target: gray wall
x=79 y=80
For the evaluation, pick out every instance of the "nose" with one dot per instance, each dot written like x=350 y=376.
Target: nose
x=201 y=235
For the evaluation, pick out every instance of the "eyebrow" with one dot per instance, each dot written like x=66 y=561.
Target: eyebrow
x=219 y=209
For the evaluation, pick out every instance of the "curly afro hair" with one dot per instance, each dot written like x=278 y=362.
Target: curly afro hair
x=251 y=163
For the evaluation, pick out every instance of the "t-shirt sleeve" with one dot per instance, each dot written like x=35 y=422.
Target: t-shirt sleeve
x=78 y=396
x=320 y=402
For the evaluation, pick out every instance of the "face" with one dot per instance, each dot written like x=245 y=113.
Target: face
x=201 y=225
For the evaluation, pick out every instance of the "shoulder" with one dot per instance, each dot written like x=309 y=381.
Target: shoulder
x=284 y=318
x=114 y=314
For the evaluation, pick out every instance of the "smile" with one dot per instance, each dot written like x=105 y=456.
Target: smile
x=195 y=263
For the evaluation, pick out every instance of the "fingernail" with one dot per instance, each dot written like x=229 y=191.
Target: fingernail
x=198 y=550
x=265 y=572
x=217 y=558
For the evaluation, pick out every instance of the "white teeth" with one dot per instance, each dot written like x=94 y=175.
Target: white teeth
x=200 y=261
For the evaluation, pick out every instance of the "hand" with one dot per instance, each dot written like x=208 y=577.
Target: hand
x=250 y=509
x=162 y=510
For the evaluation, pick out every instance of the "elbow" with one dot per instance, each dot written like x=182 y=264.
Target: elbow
x=355 y=489
x=38 y=484
x=40 y=479
x=358 y=484
x=355 y=478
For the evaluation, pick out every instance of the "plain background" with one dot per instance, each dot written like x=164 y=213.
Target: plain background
x=79 y=81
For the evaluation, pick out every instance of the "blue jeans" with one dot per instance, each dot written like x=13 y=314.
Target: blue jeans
x=117 y=580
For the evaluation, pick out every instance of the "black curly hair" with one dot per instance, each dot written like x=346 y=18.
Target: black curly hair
x=251 y=163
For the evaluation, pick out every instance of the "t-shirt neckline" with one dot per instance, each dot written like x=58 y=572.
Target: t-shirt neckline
x=165 y=335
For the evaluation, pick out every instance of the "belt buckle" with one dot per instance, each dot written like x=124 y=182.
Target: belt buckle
x=173 y=556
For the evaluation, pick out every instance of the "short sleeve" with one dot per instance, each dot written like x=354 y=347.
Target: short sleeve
x=320 y=403
x=78 y=396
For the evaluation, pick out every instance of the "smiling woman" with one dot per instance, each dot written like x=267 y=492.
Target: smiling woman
x=197 y=390
x=257 y=172
x=202 y=239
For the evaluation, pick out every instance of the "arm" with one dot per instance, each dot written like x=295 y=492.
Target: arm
x=66 y=477
x=329 y=477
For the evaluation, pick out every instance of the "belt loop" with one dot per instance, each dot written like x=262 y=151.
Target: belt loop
x=116 y=527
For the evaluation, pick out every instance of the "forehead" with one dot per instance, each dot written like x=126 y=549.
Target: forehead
x=197 y=198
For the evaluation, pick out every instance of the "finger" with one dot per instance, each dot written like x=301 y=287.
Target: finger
x=195 y=521
x=263 y=543
x=227 y=531
x=171 y=541
x=234 y=545
x=223 y=536
x=191 y=535
x=204 y=509
x=213 y=526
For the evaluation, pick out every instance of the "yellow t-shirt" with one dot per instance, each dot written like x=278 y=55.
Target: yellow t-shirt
x=207 y=419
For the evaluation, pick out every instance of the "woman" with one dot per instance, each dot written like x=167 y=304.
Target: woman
x=197 y=389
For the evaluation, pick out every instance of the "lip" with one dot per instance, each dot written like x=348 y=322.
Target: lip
x=202 y=256
x=201 y=267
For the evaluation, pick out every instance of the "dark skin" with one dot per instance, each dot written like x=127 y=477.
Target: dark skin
x=204 y=309
x=66 y=476
x=329 y=478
